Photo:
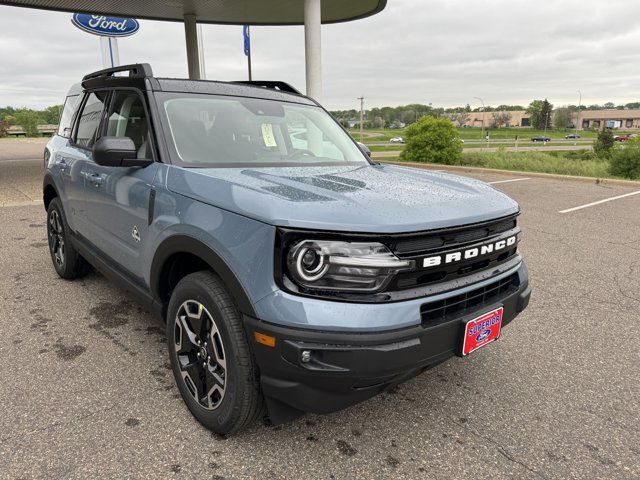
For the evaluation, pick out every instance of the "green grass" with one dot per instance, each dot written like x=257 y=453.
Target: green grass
x=579 y=163
x=386 y=148
x=542 y=162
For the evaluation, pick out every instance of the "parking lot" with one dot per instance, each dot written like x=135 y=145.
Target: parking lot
x=87 y=391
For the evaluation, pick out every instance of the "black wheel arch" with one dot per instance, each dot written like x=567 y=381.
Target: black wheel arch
x=49 y=190
x=177 y=245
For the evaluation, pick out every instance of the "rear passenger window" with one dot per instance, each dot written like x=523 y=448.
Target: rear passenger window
x=127 y=118
x=90 y=119
x=70 y=104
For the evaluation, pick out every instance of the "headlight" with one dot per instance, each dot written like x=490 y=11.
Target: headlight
x=343 y=266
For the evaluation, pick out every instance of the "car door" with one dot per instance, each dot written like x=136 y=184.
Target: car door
x=117 y=198
x=71 y=159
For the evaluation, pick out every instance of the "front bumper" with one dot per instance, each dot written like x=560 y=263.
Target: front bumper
x=347 y=368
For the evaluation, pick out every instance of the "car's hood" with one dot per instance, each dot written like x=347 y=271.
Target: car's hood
x=369 y=198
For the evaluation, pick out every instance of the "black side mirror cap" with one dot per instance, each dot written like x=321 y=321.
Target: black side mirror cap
x=364 y=149
x=117 y=152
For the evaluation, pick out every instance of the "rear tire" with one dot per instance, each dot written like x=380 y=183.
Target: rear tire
x=67 y=262
x=211 y=360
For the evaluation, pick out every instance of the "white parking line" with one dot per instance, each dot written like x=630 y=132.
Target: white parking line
x=511 y=180
x=599 y=202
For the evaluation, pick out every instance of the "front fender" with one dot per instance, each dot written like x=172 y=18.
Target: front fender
x=183 y=243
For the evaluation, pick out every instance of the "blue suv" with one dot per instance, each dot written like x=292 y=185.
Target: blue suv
x=293 y=273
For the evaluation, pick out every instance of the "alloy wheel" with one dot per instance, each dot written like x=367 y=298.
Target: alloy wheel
x=56 y=238
x=201 y=357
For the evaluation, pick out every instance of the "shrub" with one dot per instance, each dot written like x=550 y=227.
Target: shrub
x=578 y=154
x=28 y=120
x=432 y=140
x=625 y=162
x=604 y=144
x=3 y=128
x=545 y=162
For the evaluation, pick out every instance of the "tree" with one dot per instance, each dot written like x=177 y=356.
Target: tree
x=459 y=118
x=540 y=114
x=604 y=144
x=3 y=128
x=28 y=120
x=609 y=105
x=51 y=115
x=433 y=140
x=562 y=118
x=499 y=119
x=625 y=162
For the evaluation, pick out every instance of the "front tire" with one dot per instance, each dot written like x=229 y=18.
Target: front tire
x=211 y=361
x=67 y=261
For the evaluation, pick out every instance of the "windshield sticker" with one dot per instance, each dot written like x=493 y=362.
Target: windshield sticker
x=267 y=135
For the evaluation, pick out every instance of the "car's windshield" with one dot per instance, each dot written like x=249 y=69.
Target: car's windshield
x=222 y=131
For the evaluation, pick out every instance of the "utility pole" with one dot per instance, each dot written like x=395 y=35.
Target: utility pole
x=361 y=119
x=578 y=117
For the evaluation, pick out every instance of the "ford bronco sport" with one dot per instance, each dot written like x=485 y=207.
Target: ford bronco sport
x=294 y=274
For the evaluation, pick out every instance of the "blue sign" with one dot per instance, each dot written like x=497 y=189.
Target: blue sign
x=105 y=26
x=247 y=40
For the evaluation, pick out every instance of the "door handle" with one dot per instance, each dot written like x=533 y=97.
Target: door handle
x=95 y=179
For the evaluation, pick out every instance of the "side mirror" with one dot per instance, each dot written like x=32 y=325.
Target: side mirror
x=117 y=152
x=364 y=149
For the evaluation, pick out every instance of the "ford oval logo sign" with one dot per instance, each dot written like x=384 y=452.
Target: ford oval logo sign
x=105 y=26
x=482 y=335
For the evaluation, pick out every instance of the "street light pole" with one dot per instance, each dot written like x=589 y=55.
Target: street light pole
x=481 y=101
x=361 y=118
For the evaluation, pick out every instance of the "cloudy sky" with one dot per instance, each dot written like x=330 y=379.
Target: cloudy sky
x=435 y=51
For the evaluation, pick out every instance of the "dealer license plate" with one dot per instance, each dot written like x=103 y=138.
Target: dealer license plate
x=482 y=330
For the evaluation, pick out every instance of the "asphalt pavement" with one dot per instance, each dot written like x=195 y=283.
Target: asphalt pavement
x=87 y=391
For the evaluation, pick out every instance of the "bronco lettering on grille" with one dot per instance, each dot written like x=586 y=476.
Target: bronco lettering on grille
x=469 y=253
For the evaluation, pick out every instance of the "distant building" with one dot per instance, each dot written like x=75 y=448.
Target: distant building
x=519 y=118
x=611 y=118
x=589 y=119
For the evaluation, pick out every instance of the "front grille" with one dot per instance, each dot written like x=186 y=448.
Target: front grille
x=418 y=244
x=434 y=313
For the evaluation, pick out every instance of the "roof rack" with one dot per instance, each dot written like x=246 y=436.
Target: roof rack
x=136 y=70
x=273 y=84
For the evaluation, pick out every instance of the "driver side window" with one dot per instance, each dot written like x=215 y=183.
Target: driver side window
x=127 y=118
x=90 y=119
x=305 y=135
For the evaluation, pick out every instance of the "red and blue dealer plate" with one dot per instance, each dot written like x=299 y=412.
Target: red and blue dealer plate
x=482 y=330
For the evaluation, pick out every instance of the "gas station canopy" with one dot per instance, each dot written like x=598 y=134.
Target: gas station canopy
x=311 y=13
x=234 y=12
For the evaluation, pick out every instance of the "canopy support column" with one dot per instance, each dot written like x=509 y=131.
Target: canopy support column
x=193 y=50
x=312 y=48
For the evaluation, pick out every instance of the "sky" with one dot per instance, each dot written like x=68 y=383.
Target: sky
x=414 y=51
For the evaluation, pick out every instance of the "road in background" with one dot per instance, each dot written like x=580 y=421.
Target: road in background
x=87 y=390
x=548 y=148
x=21 y=168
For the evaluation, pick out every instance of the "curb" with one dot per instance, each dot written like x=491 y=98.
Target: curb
x=552 y=176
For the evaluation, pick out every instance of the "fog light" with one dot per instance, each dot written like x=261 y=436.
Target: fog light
x=305 y=356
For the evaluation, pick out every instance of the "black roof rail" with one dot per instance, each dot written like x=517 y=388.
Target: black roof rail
x=274 y=84
x=136 y=70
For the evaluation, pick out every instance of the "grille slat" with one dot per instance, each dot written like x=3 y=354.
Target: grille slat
x=426 y=244
x=434 y=313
